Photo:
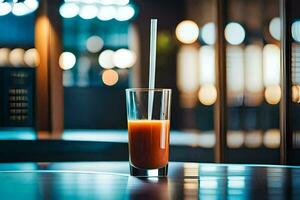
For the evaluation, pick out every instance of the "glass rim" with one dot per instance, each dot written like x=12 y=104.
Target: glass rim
x=148 y=89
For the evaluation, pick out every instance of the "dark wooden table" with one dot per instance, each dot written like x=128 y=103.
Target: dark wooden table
x=111 y=180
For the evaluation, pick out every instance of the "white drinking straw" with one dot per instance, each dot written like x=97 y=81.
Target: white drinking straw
x=153 y=34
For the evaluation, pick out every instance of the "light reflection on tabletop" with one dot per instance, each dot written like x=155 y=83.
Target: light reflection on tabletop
x=111 y=180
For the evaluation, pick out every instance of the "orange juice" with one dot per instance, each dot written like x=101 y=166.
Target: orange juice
x=149 y=143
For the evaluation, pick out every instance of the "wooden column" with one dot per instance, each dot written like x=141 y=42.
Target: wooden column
x=286 y=81
x=49 y=88
x=220 y=118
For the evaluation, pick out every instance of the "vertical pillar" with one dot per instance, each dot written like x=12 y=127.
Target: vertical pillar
x=220 y=118
x=286 y=59
x=49 y=88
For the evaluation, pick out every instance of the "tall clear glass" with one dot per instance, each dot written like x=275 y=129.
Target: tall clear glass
x=148 y=114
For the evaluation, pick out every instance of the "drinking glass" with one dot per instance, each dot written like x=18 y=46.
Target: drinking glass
x=148 y=114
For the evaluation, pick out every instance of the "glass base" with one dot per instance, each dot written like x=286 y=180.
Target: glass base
x=160 y=172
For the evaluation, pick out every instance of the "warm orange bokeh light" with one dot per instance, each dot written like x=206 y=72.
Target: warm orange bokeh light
x=273 y=94
x=110 y=77
x=207 y=95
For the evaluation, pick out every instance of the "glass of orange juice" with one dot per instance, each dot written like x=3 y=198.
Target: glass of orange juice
x=148 y=114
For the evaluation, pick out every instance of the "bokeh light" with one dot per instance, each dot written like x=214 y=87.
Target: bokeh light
x=253 y=139
x=235 y=72
x=106 y=2
x=31 y=57
x=124 y=13
x=234 y=33
x=254 y=75
x=94 y=44
x=69 y=10
x=20 y=9
x=4 y=56
x=124 y=58
x=5 y=8
x=272 y=138
x=253 y=68
x=16 y=57
x=32 y=4
x=296 y=30
x=207 y=140
x=207 y=95
x=87 y=1
x=296 y=93
x=274 y=28
x=235 y=138
x=187 y=32
x=67 y=60
x=273 y=94
x=208 y=33
x=107 y=13
x=206 y=65
x=88 y=11
x=187 y=64
x=110 y=77
x=121 y=2
x=106 y=59
x=271 y=65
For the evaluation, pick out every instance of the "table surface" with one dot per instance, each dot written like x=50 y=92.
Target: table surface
x=111 y=180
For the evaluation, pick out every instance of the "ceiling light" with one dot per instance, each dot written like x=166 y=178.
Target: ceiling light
x=69 y=10
x=124 y=13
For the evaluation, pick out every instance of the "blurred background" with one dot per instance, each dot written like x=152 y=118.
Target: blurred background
x=105 y=49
